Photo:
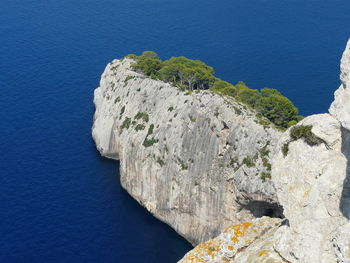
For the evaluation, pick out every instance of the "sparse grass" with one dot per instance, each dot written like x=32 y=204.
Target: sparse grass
x=193 y=119
x=142 y=115
x=216 y=112
x=237 y=110
x=265 y=176
x=149 y=142
x=122 y=112
x=248 y=162
x=285 y=149
x=182 y=164
x=127 y=79
x=266 y=163
x=140 y=127
x=126 y=123
x=160 y=161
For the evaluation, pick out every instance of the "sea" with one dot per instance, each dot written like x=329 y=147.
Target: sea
x=60 y=201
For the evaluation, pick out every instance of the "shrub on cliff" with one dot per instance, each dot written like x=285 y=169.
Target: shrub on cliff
x=195 y=74
x=148 y=63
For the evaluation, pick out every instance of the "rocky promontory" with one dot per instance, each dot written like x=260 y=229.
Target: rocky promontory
x=196 y=160
x=207 y=165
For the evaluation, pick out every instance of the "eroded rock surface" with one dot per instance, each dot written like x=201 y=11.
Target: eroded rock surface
x=198 y=162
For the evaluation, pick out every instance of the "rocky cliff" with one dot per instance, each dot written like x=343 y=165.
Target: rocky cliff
x=197 y=161
x=312 y=184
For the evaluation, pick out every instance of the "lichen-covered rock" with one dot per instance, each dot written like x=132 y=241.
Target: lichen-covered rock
x=197 y=161
x=235 y=244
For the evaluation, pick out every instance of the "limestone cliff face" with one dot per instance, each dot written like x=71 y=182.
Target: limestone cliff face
x=313 y=186
x=198 y=161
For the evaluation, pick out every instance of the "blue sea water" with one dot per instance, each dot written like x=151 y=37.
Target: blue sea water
x=59 y=200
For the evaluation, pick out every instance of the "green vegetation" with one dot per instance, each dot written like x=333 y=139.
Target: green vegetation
x=264 y=151
x=188 y=74
x=126 y=123
x=149 y=142
x=265 y=176
x=182 y=164
x=301 y=132
x=285 y=149
x=160 y=161
x=127 y=79
x=171 y=108
x=193 y=119
x=139 y=127
x=248 y=162
x=150 y=130
x=122 y=112
x=266 y=163
x=117 y=100
x=216 y=112
x=304 y=132
x=142 y=115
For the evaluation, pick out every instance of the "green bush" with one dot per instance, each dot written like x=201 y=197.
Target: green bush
x=193 y=119
x=248 y=162
x=139 y=127
x=304 y=132
x=265 y=176
x=194 y=74
x=160 y=161
x=126 y=123
x=142 y=115
x=285 y=149
x=149 y=142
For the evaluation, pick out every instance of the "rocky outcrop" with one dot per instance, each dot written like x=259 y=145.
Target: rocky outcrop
x=309 y=181
x=313 y=186
x=340 y=107
x=197 y=161
x=232 y=244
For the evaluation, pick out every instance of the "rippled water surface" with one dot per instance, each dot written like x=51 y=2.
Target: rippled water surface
x=59 y=200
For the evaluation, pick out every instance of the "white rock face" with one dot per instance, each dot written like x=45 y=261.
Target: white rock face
x=313 y=185
x=340 y=108
x=310 y=182
x=195 y=161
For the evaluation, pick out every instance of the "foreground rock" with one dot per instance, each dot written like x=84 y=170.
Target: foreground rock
x=313 y=186
x=235 y=244
x=197 y=161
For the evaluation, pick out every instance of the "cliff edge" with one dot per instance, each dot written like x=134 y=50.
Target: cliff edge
x=196 y=160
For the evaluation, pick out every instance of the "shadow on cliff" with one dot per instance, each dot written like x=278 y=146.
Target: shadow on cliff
x=263 y=208
x=344 y=205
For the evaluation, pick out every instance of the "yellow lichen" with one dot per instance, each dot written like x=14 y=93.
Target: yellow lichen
x=263 y=252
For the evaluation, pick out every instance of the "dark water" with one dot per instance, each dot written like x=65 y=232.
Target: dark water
x=59 y=200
